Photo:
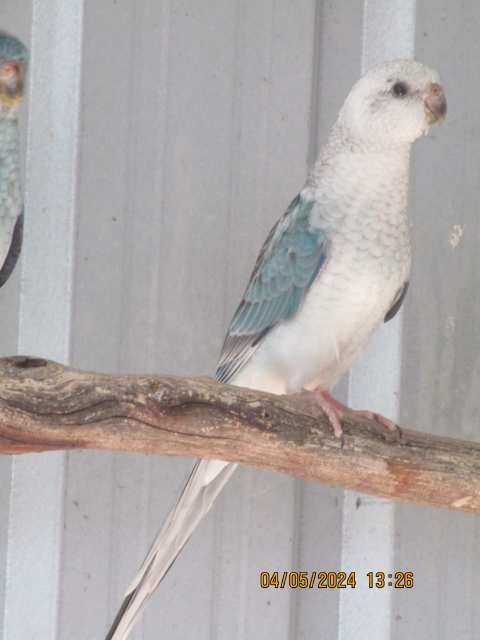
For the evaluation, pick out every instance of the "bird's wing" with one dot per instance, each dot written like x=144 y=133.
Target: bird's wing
x=397 y=302
x=207 y=479
x=11 y=232
x=289 y=262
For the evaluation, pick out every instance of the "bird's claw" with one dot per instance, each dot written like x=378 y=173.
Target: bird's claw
x=337 y=411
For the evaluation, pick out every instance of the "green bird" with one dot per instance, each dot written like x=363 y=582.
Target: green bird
x=13 y=68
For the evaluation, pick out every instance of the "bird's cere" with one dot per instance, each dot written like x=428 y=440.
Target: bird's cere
x=435 y=103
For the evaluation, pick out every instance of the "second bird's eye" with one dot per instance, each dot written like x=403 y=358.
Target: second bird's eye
x=400 y=89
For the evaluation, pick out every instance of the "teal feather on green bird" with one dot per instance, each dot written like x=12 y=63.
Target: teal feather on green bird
x=13 y=69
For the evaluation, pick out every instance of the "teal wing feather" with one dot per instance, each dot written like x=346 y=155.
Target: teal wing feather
x=289 y=262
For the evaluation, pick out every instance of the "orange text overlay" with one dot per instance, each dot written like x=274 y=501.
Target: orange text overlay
x=335 y=579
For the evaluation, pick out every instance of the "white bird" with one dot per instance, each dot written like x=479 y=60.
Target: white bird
x=333 y=268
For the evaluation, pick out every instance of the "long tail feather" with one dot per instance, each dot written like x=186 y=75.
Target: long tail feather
x=207 y=479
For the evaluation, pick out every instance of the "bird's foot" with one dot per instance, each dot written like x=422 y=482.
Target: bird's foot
x=336 y=411
x=332 y=409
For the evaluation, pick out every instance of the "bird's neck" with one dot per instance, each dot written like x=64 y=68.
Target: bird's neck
x=353 y=173
x=9 y=164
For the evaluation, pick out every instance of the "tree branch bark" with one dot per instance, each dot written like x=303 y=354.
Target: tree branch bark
x=45 y=406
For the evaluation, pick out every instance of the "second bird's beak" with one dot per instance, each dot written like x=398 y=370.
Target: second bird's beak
x=435 y=103
x=11 y=80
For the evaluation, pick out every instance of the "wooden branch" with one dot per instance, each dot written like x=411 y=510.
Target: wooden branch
x=45 y=406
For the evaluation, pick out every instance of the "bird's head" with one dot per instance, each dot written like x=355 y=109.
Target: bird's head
x=393 y=104
x=13 y=67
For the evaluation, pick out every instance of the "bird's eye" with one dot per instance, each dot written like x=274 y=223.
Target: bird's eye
x=400 y=89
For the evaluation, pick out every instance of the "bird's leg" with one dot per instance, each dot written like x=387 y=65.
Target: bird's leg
x=336 y=411
x=329 y=406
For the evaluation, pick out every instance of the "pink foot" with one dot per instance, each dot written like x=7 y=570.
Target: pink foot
x=336 y=411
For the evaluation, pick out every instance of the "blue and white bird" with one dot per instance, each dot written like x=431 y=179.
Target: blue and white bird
x=13 y=67
x=334 y=267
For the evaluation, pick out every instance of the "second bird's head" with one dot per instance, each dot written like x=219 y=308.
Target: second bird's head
x=13 y=69
x=393 y=104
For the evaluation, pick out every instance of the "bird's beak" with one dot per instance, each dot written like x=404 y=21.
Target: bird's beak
x=12 y=76
x=435 y=103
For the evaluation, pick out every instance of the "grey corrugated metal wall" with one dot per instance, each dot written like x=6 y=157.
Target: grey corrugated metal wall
x=164 y=139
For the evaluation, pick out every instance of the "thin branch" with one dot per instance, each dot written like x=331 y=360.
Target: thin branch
x=45 y=406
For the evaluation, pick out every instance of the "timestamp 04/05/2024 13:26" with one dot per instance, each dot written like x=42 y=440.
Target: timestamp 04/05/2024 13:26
x=335 y=579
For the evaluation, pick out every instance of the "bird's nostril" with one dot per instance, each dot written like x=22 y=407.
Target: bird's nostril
x=435 y=102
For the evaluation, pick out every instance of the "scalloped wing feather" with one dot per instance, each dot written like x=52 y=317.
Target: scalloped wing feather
x=286 y=267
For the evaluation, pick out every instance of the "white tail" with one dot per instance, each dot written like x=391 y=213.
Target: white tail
x=207 y=479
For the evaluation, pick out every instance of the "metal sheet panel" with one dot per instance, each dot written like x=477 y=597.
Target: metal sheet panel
x=35 y=520
x=440 y=371
x=368 y=523
x=188 y=156
x=15 y=18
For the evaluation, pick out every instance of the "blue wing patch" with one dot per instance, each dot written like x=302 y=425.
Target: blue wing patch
x=289 y=262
